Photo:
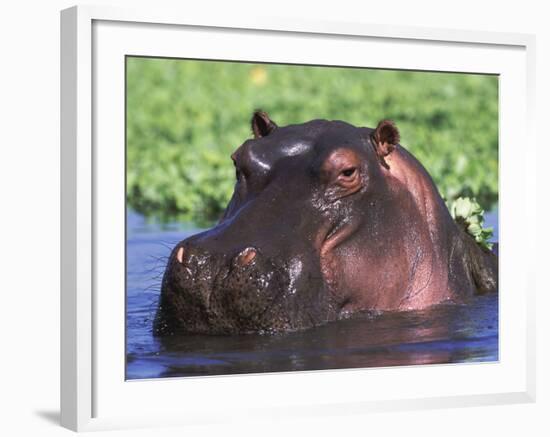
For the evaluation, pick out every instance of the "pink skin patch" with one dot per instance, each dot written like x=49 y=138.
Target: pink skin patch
x=179 y=255
x=246 y=257
x=432 y=273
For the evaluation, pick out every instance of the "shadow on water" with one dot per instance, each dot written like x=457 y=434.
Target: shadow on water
x=441 y=334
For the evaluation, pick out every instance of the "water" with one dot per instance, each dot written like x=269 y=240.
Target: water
x=442 y=334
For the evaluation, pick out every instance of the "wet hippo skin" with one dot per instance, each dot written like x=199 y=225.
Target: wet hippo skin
x=326 y=220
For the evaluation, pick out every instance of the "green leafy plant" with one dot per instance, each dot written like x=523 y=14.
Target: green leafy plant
x=185 y=118
x=468 y=213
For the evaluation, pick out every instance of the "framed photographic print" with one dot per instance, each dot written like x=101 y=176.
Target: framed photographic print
x=320 y=209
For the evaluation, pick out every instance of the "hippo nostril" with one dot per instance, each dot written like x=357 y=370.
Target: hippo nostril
x=246 y=257
x=179 y=255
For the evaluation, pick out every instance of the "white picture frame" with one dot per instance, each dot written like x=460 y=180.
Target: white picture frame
x=93 y=394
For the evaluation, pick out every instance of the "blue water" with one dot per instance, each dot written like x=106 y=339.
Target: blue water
x=442 y=334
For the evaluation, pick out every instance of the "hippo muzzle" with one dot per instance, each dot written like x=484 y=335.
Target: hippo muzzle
x=220 y=293
x=213 y=287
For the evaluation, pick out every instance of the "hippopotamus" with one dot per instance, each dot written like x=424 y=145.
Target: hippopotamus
x=326 y=220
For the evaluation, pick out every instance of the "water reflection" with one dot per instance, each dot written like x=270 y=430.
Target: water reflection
x=442 y=334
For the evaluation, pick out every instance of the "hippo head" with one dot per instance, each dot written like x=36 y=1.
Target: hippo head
x=300 y=191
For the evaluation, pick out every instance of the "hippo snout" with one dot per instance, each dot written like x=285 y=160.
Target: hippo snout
x=219 y=292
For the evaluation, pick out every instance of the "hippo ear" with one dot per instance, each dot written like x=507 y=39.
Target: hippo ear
x=385 y=138
x=262 y=125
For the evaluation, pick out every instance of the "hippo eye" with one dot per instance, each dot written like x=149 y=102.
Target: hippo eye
x=348 y=172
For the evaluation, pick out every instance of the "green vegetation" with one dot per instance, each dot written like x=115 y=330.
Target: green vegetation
x=184 y=118
x=469 y=213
